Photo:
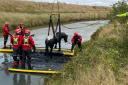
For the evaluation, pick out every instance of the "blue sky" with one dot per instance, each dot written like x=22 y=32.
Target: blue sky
x=86 y=2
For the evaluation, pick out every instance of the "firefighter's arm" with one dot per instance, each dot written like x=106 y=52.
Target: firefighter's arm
x=80 y=38
x=11 y=39
x=33 y=44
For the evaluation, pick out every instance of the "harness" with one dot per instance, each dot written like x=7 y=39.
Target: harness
x=15 y=39
x=26 y=40
x=58 y=27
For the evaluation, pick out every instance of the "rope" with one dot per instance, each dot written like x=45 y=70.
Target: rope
x=51 y=24
x=78 y=27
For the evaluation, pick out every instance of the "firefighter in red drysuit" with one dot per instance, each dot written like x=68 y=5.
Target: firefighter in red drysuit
x=16 y=41
x=5 y=30
x=27 y=46
x=22 y=28
x=76 y=40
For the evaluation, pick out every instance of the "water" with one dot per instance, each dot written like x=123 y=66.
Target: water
x=85 y=28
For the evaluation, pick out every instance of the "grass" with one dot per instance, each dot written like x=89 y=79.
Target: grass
x=35 y=20
x=104 y=60
x=35 y=7
x=35 y=14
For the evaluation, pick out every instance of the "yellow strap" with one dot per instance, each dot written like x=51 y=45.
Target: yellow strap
x=34 y=71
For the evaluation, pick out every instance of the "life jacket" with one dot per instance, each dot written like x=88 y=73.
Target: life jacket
x=26 y=43
x=76 y=39
x=16 y=41
x=26 y=40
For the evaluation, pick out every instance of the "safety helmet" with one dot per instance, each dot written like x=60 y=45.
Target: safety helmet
x=18 y=31
x=76 y=33
x=27 y=32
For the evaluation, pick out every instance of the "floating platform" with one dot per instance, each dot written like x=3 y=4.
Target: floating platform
x=65 y=52
x=33 y=71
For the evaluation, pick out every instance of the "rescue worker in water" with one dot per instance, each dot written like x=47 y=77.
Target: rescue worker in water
x=27 y=45
x=16 y=41
x=76 y=40
x=6 y=33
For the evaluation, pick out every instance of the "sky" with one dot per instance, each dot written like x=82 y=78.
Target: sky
x=84 y=2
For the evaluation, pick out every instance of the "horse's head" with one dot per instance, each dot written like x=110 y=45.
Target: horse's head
x=66 y=38
x=61 y=35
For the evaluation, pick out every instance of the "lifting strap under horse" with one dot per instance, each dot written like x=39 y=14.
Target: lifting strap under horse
x=51 y=26
x=58 y=25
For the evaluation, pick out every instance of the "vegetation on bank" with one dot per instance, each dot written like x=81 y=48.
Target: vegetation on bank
x=38 y=7
x=33 y=20
x=37 y=14
x=103 y=61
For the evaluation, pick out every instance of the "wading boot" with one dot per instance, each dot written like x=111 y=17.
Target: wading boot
x=22 y=65
x=15 y=64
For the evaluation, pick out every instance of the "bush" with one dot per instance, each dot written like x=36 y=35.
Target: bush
x=119 y=8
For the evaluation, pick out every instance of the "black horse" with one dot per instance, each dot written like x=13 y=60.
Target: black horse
x=53 y=41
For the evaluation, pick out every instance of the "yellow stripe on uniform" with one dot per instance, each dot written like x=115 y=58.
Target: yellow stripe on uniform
x=33 y=71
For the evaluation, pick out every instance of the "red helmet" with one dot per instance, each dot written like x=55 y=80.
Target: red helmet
x=27 y=31
x=76 y=33
x=18 y=31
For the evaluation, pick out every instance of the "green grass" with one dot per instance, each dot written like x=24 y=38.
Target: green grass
x=35 y=20
x=37 y=14
x=35 y=7
x=104 y=60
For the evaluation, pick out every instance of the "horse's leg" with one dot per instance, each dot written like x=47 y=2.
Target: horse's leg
x=55 y=46
x=51 y=51
x=46 y=49
x=60 y=45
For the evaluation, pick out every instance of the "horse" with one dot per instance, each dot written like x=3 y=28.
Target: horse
x=52 y=42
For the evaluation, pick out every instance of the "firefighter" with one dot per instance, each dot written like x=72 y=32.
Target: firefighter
x=6 y=33
x=16 y=41
x=22 y=28
x=76 y=40
x=27 y=45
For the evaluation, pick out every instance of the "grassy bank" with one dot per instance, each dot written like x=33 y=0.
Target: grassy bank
x=34 y=20
x=104 y=60
x=38 y=7
x=35 y=14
